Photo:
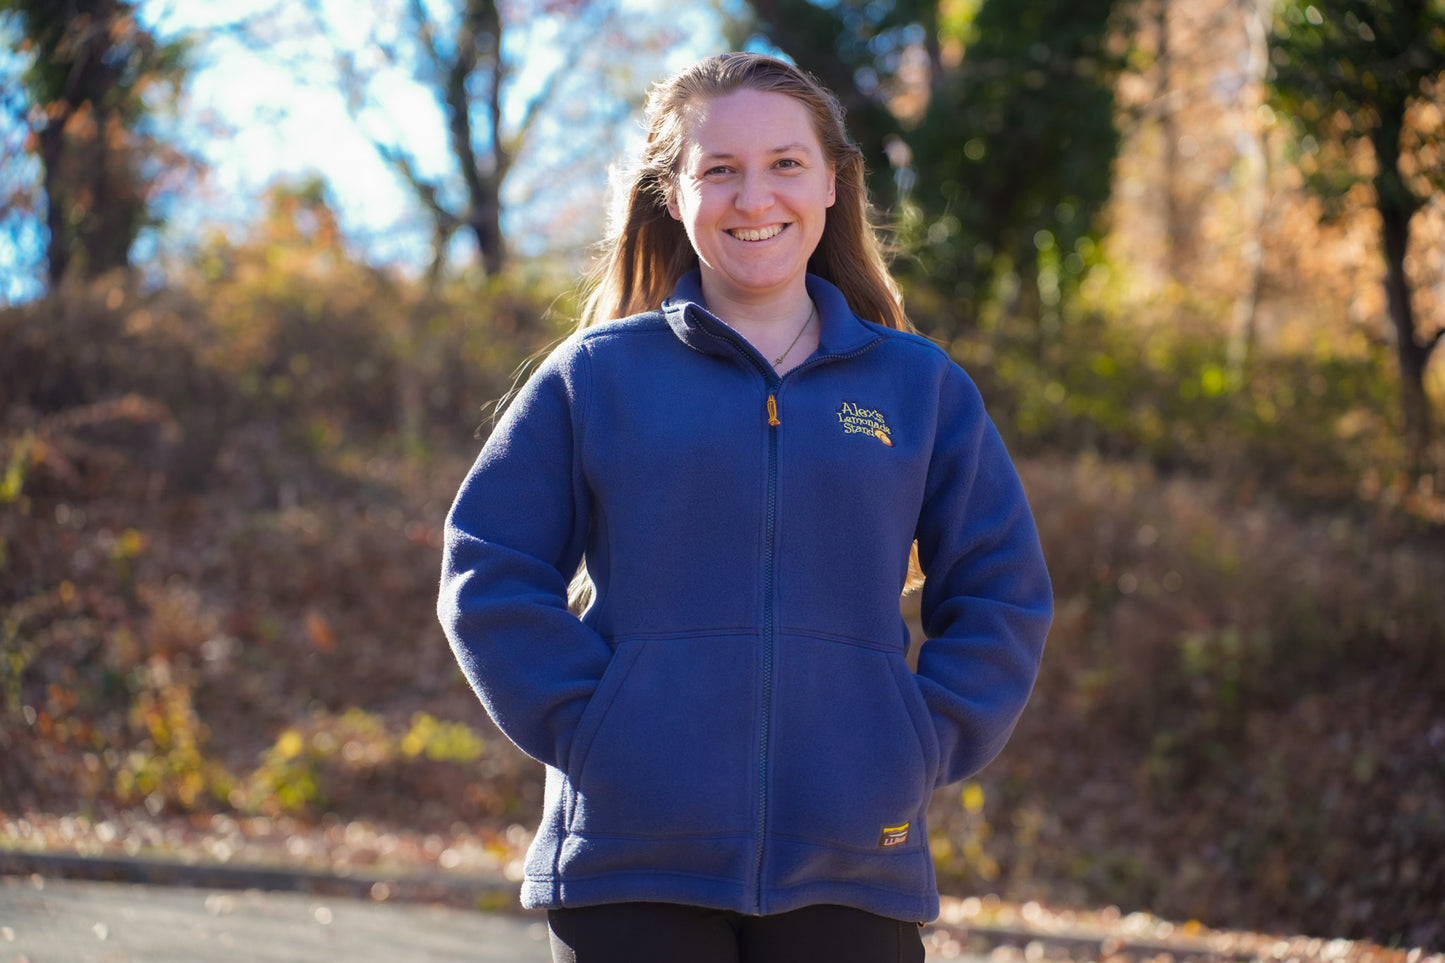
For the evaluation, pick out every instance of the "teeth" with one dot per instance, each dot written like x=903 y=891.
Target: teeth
x=760 y=234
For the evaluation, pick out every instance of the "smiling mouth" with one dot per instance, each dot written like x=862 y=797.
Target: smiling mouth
x=758 y=233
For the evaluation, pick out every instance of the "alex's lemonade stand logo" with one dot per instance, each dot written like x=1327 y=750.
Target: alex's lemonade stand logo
x=857 y=420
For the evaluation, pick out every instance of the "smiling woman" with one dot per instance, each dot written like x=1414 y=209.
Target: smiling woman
x=755 y=212
x=744 y=441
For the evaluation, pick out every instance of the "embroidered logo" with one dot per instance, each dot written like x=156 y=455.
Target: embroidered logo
x=893 y=836
x=857 y=420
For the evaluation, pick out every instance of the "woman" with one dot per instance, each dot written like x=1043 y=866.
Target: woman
x=739 y=758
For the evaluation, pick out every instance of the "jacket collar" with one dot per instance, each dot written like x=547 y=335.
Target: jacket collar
x=842 y=331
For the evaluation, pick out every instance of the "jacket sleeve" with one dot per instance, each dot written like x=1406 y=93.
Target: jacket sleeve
x=514 y=537
x=987 y=601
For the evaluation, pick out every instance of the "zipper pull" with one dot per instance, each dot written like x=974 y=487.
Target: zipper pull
x=773 y=411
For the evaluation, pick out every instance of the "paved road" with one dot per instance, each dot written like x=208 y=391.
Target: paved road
x=60 y=920
x=70 y=921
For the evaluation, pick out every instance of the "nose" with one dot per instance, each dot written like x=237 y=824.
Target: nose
x=754 y=194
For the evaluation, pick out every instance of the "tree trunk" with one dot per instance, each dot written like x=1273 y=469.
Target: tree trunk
x=1413 y=354
x=57 y=248
x=481 y=26
x=1166 y=102
x=1255 y=193
x=486 y=225
x=1397 y=205
x=94 y=202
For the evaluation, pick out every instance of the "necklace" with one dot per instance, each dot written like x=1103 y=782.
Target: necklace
x=812 y=310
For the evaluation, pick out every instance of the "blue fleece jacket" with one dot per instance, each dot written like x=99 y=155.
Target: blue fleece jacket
x=732 y=722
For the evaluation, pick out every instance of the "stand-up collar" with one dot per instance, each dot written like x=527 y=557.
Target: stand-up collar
x=842 y=332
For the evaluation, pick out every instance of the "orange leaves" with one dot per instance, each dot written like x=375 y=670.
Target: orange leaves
x=319 y=631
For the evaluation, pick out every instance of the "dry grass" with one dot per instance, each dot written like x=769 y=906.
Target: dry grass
x=217 y=619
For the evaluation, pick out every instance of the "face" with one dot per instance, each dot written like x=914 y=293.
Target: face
x=752 y=190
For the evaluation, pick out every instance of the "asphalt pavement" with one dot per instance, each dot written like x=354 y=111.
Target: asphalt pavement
x=74 y=921
x=93 y=911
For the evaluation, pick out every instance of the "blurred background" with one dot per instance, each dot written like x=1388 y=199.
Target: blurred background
x=264 y=265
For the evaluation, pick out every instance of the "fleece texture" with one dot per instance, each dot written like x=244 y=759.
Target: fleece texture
x=732 y=723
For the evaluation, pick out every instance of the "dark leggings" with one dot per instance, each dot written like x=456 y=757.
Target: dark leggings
x=671 y=933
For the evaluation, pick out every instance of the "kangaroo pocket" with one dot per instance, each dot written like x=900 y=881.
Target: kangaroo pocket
x=854 y=754
x=668 y=745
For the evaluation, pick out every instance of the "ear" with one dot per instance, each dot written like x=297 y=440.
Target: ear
x=668 y=188
x=832 y=186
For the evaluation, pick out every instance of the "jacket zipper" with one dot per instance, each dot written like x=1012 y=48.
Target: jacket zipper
x=769 y=640
x=774 y=384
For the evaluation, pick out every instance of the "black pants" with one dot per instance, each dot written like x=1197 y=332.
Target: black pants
x=671 y=933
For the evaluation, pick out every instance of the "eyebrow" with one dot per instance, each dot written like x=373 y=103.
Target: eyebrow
x=797 y=147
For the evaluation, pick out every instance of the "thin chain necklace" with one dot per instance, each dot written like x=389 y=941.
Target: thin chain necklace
x=812 y=310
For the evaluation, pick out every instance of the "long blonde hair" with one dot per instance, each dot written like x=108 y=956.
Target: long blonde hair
x=647 y=250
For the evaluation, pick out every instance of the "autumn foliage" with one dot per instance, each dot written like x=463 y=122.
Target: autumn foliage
x=219 y=516
x=221 y=499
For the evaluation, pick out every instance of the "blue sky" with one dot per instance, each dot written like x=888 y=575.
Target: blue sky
x=282 y=122
x=281 y=114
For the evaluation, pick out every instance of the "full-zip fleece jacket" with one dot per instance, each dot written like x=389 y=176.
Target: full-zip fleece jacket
x=732 y=723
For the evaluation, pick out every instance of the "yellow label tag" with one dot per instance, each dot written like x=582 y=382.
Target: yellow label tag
x=893 y=836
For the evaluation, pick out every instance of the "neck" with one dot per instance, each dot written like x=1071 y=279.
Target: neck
x=784 y=342
x=783 y=313
x=780 y=325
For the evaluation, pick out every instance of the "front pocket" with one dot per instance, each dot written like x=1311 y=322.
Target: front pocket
x=671 y=750
x=850 y=764
x=597 y=707
x=918 y=711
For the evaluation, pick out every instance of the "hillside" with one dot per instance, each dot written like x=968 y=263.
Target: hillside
x=219 y=525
